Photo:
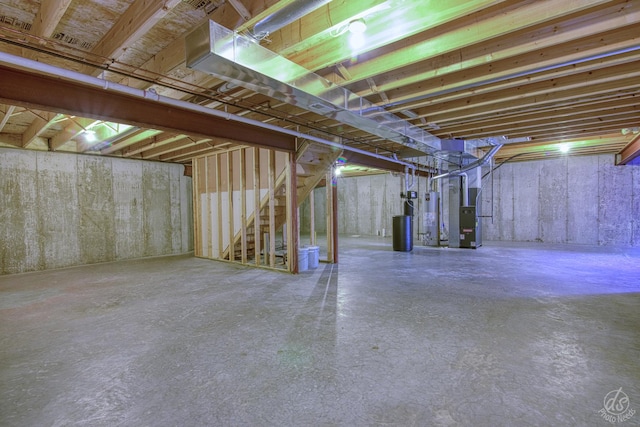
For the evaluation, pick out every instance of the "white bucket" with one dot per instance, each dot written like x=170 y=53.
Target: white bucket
x=303 y=259
x=314 y=256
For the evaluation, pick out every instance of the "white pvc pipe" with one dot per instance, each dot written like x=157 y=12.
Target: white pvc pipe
x=13 y=61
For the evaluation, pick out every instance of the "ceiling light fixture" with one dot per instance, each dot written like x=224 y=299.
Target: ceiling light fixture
x=90 y=135
x=564 y=148
x=356 y=41
x=357 y=26
x=633 y=130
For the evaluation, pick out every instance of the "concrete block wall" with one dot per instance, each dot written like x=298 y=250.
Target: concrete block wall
x=59 y=210
x=574 y=199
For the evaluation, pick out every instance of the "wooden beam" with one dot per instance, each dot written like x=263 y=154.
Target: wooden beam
x=374 y=162
x=136 y=21
x=567 y=77
x=73 y=129
x=425 y=45
x=140 y=135
x=51 y=93
x=618 y=85
x=208 y=191
x=334 y=221
x=329 y=214
x=173 y=56
x=293 y=231
x=197 y=210
x=48 y=17
x=630 y=152
x=239 y=7
x=257 y=234
x=218 y=158
x=155 y=141
x=277 y=6
x=312 y=219
x=272 y=210
x=6 y=116
x=536 y=48
x=200 y=149
x=13 y=139
x=321 y=25
x=40 y=124
x=605 y=108
x=155 y=153
x=231 y=224
x=243 y=205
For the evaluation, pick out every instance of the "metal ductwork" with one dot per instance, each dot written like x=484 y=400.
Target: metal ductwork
x=480 y=162
x=291 y=12
x=218 y=51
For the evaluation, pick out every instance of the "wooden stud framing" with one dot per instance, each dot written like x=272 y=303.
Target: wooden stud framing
x=272 y=210
x=312 y=219
x=207 y=191
x=329 y=214
x=197 y=221
x=231 y=249
x=243 y=205
x=334 y=222
x=256 y=202
x=219 y=193
x=293 y=230
x=228 y=236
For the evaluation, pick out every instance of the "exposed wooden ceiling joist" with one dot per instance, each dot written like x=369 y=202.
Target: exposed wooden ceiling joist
x=546 y=69
x=48 y=17
x=139 y=18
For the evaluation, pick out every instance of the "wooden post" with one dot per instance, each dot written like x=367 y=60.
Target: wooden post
x=329 y=214
x=218 y=188
x=272 y=214
x=293 y=231
x=334 y=220
x=243 y=203
x=230 y=204
x=312 y=219
x=195 y=194
x=256 y=201
x=208 y=199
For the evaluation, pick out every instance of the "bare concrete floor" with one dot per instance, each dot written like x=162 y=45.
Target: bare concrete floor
x=507 y=335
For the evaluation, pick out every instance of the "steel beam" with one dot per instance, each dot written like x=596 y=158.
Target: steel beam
x=630 y=152
x=31 y=90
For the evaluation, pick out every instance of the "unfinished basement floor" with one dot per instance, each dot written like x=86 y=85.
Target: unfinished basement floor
x=506 y=335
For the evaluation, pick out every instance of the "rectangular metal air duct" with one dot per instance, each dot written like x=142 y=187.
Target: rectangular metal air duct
x=218 y=51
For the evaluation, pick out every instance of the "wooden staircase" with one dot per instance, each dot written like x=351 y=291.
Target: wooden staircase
x=312 y=163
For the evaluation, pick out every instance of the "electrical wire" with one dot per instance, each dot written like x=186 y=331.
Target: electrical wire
x=111 y=65
x=505 y=161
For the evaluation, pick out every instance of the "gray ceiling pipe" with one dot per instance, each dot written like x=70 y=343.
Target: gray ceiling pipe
x=286 y=15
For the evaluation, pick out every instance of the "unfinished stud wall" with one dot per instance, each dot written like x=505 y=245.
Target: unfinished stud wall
x=575 y=199
x=229 y=185
x=60 y=210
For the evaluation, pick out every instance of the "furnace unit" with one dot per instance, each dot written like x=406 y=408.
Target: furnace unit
x=470 y=231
